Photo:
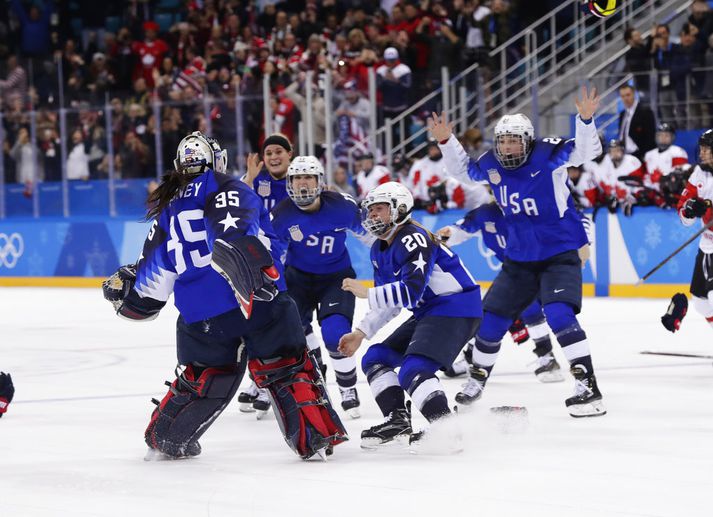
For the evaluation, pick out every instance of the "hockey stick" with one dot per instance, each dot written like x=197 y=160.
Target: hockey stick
x=673 y=354
x=675 y=252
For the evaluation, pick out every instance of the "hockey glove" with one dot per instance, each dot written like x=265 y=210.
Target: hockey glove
x=676 y=311
x=612 y=203
x=7 y=391
x=119 y=285
x=518 y=332
x=695 y=207
x=248 y=267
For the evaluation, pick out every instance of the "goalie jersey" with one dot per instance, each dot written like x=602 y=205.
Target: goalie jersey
x=177 y=252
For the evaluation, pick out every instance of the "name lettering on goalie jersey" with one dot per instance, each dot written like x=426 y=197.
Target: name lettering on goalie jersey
x=191 y=189
x=327 y=243
x=517 y=205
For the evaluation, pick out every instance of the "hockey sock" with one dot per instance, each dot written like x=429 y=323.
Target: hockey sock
x=488 y=339
x=540 y=334
x=570 y=335
x=333 y=328
x=417 y=377
x=314 y=345
x=378 y=364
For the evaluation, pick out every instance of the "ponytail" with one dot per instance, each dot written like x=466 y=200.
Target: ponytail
x=434 y=239
x=171 y=183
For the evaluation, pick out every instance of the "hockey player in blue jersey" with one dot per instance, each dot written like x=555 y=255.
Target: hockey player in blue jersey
x=203 y=247
x=488 y=220
x=529 y=179
x=412 y=270
x=314 y=222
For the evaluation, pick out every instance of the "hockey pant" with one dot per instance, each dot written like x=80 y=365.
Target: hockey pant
x=302 y=406
x=193 y=402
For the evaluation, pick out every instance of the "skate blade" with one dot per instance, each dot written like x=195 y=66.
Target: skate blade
x=594 y=408
x=353 y=413
x=156 y=455
x=548 y=377
x=375 y=444
x=261 y=413
x=246 y=407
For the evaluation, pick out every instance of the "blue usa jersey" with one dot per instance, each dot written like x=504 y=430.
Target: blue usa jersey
x=316 y=240
x=489 y=221
x=271 y=191
x=539 y=210
x=177 y=252
x=429 y=279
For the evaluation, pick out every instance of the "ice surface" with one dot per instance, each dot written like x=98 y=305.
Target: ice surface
x=71 y=443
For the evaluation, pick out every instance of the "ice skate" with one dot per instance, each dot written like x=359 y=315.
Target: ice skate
x=548 y=369
x=350 y=402
x=395 y=430
x=473 y=389
x=587 y=399
x=262 y=404
x=246 y=399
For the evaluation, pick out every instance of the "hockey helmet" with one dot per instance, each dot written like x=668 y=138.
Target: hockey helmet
x=400 y=202
x=705 y=150
x=665 y=135
x=198 y=152
x=519 y=126
x=305 y=166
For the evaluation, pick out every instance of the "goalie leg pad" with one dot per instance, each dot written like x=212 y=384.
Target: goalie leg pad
x=304 y=412
x=193 y=402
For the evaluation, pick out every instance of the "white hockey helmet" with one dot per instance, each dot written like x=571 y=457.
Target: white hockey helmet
x=305 y=166
x=198 y=152
x=517 y=125
x=400 y=201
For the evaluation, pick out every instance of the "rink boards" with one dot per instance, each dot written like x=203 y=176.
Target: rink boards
x=81 y=251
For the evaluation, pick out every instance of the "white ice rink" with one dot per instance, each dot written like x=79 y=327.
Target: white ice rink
x=72 y=441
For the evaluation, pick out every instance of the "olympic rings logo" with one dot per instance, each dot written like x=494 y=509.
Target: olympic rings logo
x=11 y=249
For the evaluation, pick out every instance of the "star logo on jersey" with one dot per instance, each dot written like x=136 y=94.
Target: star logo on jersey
x=490 y=227
x=420 y=264
x=494 y=176
x=263 y=188
x=229 y=222
x=296 y=233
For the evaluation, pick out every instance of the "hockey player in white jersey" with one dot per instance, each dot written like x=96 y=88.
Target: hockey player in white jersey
x=695 y=203
x=665 y=158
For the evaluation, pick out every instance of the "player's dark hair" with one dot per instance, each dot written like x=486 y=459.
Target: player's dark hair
x=171 y=183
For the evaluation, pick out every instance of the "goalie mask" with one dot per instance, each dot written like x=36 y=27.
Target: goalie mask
x=400 y=203
x=197 y=152
x=514 y=136
x=300 y=191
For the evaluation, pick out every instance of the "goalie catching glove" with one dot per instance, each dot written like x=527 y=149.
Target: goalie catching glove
x=248 y=267
x=119 y=290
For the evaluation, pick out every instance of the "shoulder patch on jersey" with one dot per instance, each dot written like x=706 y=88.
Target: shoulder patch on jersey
x=296 y=233
x=494 y=176
x=263 y=188
x=490 y=227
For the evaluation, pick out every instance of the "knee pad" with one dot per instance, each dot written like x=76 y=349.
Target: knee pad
x=379 y=354
x=494 y=327
x=194 y=400
x=333 y=328
x=414 y=366
x=533 y=314
x=703 y=306
x=304 y=412
x=560 y=316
